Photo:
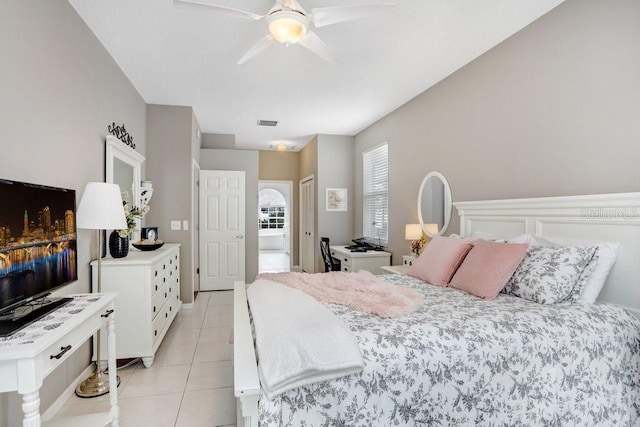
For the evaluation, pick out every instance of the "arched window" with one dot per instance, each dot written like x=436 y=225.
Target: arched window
x=271 y=206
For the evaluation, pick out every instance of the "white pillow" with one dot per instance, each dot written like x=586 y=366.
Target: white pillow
x=482 y=235
x=606 y=257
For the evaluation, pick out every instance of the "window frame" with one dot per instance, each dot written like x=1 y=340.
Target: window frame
x=375 y=194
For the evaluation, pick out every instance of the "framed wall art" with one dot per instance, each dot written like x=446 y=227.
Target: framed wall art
x=336 y=199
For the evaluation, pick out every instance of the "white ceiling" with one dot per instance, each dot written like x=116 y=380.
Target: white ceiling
x=181 y=54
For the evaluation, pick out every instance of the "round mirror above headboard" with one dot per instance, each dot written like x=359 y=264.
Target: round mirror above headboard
x=434 y=204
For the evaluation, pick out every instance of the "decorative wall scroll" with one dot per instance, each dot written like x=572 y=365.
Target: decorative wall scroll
x=121 y=133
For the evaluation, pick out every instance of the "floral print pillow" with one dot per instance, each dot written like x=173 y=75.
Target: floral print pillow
x=549 y=275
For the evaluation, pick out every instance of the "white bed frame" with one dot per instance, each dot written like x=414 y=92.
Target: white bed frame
x=605 y=218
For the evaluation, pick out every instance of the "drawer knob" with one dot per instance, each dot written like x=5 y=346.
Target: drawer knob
x=156 y=273
x=154 y=308
x=156 y=287
x=63 y=350
x=155 y=332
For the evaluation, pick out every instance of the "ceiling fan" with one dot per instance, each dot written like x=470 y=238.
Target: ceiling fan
x=289 y=23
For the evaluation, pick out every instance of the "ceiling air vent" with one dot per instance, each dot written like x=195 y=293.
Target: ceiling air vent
x=267 y=123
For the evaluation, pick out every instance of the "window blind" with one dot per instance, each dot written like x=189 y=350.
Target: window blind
x=375 y=203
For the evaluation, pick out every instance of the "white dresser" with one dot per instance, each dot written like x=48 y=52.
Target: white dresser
x=148 y=287
x=355 y=261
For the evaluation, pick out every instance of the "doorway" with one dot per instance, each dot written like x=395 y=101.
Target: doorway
x=274 y=226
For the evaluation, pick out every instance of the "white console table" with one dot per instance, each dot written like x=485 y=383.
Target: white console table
x=29 y=355
x=355 y=261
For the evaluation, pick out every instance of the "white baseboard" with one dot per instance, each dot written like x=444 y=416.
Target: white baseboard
x=62 y=399
x=187 y=305
x=295 y=268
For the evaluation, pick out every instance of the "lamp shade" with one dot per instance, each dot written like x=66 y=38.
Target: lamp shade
x=101 y=208
x=412 y=232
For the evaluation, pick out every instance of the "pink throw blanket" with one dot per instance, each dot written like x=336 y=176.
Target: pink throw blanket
x=361 y=290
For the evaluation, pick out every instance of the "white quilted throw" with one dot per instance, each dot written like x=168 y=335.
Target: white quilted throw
x=298 y=340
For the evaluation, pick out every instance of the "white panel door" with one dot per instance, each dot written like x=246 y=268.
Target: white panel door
x=307 y=225
x=222 y=229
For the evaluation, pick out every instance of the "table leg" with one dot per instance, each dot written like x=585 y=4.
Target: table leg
x=114 y=412
x=31 y=409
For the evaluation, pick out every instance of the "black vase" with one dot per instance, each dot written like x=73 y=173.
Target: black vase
x=118 y=246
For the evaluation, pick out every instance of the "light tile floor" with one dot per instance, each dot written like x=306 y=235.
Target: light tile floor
x=273 y=262
x=191 y=381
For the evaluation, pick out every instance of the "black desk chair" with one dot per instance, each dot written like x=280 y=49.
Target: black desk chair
x=330 y=263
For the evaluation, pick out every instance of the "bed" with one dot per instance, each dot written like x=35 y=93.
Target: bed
x=461 y=360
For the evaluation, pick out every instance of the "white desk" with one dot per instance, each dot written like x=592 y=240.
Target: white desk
x=355 y=261
x=29 y=355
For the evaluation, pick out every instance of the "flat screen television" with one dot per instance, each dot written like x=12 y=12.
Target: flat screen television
x=37 y=250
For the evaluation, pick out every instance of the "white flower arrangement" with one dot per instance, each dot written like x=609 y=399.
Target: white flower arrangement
x=131 y=212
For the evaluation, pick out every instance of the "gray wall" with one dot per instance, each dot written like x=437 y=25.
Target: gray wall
x=59 y=90
x=240 y=160
x=329 y=158
x=335 y=170
x=554 y=110
x=169 y=165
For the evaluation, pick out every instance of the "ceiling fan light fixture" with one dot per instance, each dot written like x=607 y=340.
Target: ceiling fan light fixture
x=287 y=27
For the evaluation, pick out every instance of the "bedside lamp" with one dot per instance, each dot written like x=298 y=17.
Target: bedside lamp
x=413 y=232
x=100 y=209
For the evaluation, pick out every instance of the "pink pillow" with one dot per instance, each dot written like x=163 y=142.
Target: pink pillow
x=488 y=268
x=439 y=260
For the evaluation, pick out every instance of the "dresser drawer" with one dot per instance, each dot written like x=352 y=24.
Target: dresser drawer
x=56 y=354
x=157 y=301
x=156 y=271
x=159 y=323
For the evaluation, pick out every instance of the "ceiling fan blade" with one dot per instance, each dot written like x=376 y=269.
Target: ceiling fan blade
x=312 y=42
x=290 y=4
x=257 y=49
x=323 y=16
x=227 y=10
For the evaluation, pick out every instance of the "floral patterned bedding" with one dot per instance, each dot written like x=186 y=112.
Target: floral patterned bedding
x=463 y=361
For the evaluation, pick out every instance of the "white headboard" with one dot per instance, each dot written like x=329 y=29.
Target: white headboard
x=603 y=217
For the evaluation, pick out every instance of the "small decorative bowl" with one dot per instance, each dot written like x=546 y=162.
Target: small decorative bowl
x=148 y=246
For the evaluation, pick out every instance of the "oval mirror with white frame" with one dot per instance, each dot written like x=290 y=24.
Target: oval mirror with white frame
x=434 y=204
x=124 y=167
